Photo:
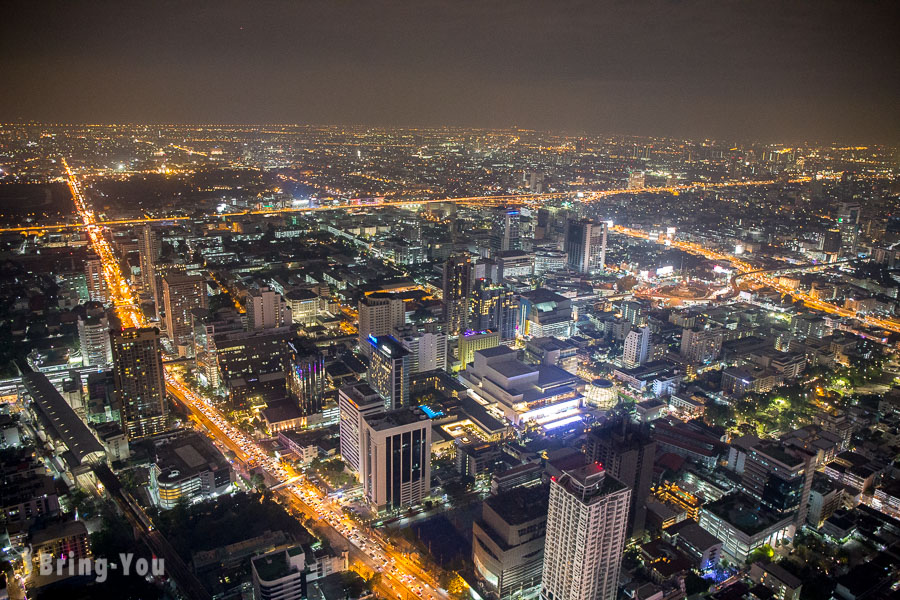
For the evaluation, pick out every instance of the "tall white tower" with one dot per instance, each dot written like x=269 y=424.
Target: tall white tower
x=585 y=535
x=637 y=347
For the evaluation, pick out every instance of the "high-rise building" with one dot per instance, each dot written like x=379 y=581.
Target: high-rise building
x=206 y=325
x=848 y=223
x=458 y=282
x=139 y=380
x=396 y=458
x=96 y=282
x=831 y=242
x=93 y=334
x=514 y=263
x=161 y=270
x=494 y=307
x=427 y=349
x=379 y=314
x=635 y=312
x=306 y=380
x=279 y=575
x=253 y=364
x=701 y=346
x=585 y=535
x=626 y=452
x=543 y=312
x=637 y=347
x=388 y=372
x=181 y=295
x=505 y=230
x=266 y=309
x=355 y=400
x=586 y=245
x=473 y=341
x=149 y=250
x=636 y=180
x=779 y=477
x=508 y=543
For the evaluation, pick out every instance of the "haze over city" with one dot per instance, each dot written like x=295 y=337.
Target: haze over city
x=767 y=71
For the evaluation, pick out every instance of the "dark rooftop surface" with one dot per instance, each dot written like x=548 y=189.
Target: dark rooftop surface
x=521 y=504
x=743 y=512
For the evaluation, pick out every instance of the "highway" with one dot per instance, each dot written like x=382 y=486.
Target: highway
x=761 y=277
x=357 y=203
x=401 y=578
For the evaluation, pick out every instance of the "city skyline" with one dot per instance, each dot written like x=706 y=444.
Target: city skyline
x=450 y=300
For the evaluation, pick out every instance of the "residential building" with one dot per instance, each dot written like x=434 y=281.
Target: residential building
x=427 y=350
x=266 y=309
x=458 y=283
x=98 y=291
x=701 y=346
x=586 y=245
x=494 y=307
x=379 y=314
x=355 y=401
x=637 y=347
x=181 y=295
x=93 y=335
x=585 y=538
x=626 y=451
x=505 y=231
x=140 y=380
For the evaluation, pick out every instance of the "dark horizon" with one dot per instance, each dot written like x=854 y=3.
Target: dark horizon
x=771 y=72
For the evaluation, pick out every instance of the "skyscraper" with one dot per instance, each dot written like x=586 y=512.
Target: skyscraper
x=427 y=349
x=139 y=380
x=494 y=307
x=701 y=346
x=637 y=347
x=306 y=380
x=458 y=282
x=585 y=535
x=396 y=458
x=586 y=245
x=626 y=452
x=96 y=282
x=508 y=548
x=505 y=230
x=388 y=371
x=149 y=253
x=181 y=295
x=266 y=309
x=379 y=314
x=848 y=223
x=780 y=477
x=354 y=401
x=93 y=335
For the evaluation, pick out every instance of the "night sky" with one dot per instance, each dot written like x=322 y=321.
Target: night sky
x=772 y=71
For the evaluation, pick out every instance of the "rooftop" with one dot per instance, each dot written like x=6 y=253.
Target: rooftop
x=520 y=504
x=59 y=418
x=389 y=345
x=744 y=513
x=396 y=418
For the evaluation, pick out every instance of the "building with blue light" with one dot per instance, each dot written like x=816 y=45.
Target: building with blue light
x=389 y=370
